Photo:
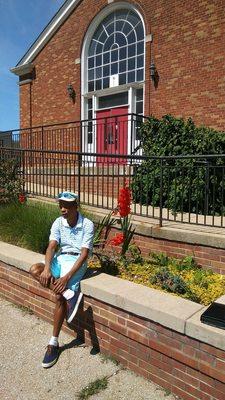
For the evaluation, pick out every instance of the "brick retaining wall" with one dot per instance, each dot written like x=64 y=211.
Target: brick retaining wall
x=209 y=257
x=187 y=367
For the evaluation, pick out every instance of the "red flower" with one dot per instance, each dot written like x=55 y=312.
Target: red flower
x=124 y=202
x=22 y=198
x=117 y=240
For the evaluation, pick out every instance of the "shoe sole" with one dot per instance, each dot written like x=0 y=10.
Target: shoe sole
x=75 y=308
x=50 y=364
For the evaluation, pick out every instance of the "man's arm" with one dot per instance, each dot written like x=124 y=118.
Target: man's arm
x=61 y=283
x=46 y=274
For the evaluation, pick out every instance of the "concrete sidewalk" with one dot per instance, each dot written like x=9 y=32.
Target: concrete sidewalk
x=23 y=338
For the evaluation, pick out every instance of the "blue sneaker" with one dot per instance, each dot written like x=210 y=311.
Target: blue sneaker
x=73 y=304
x=51 y=356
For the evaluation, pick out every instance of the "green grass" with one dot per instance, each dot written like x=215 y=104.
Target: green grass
x=93 y=388
x=27 y=225
x=107 y=358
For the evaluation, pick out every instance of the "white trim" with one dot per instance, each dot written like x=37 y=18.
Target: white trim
x=107 y=108
x=117 y=89
x=48 y=32
x=121 y=88
x=24 y=82
x=91 y=30
x=23 y=69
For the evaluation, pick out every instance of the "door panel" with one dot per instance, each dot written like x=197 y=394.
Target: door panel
x=112 y=130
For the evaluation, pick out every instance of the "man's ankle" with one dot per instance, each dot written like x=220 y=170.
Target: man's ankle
x=54 y=341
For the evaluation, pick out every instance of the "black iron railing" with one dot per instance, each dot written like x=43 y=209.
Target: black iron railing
x=185 y=189
x=115 y=134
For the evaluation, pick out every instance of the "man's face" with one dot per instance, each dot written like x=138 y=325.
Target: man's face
x=68 y=209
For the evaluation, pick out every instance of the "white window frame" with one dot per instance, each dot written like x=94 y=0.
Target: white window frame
x=84 y=82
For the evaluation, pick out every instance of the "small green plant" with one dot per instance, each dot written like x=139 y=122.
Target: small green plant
x=107 y=358
x=108 y=263
x=168 y=281
x=93 y=388
x=159 y=259
x=25 y=310
x=167 y=392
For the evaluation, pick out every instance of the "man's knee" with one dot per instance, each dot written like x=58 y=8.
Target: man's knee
x=36 y=270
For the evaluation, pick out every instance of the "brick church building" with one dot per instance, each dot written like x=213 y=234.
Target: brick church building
x=100 y=58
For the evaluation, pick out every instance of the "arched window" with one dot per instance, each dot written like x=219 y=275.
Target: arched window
x=116 y=51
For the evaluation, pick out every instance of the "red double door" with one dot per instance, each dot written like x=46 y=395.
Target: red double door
x=112 y=130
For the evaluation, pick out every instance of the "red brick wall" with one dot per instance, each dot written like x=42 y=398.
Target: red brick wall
x=185 y=366
x=209 y=257
x=188 y=50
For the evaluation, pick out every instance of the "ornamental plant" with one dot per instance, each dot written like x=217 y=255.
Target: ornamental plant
x=123 y=238
x=124 y=210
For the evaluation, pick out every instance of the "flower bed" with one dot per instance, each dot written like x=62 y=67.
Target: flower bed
x=179 y=277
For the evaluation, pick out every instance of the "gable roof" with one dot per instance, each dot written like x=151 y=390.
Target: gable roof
x=25 y=64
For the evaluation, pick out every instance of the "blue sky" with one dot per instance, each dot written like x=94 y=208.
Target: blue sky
x=21 y=21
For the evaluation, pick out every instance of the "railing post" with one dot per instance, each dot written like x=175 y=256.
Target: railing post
x=42 y=137
x=79 y=174
x=207 y=189
x=161 y=194
x=132 y=135
x=23 y=169
x=81 y=138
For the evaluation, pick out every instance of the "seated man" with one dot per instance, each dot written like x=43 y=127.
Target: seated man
x=63 y=270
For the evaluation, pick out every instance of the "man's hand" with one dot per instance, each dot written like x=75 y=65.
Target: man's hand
x=45 y=277
x=60 y=284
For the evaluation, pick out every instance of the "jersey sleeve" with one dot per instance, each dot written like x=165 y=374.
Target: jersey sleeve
x=88 y=234
x=55 y=231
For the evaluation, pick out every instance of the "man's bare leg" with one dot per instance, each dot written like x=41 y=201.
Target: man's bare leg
x=59 y=312
x=60 y=306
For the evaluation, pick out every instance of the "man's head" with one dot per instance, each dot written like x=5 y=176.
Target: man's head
x=68 y=204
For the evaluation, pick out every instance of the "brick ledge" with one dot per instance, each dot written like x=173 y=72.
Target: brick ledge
x=178 y=314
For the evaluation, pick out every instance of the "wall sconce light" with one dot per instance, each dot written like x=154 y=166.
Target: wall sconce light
x=71 y=92
x=152 y=71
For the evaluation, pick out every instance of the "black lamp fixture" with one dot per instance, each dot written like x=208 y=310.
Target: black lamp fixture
x=71 y=92
x=152 y=71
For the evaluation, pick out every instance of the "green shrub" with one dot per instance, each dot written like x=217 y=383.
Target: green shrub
x=168 y=281
x=10 y=180
x=187 y=184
